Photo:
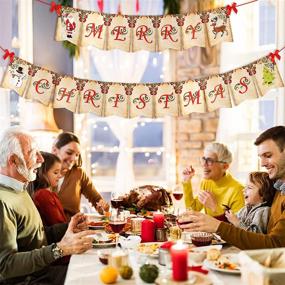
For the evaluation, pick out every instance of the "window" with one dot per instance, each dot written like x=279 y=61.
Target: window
x=149 y=144
x=21 y=42
x=257 y=36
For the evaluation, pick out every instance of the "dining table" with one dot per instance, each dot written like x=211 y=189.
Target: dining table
x=84 y=269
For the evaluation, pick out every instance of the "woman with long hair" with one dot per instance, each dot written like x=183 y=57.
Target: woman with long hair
x=75 y=181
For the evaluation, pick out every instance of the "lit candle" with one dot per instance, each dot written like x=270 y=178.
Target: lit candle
x=148 y=231
x=158 y=219
x=179 y=258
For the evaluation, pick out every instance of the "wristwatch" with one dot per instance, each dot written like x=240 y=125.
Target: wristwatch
x=56 y=251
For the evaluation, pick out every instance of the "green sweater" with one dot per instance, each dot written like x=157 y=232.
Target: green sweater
x=275 y=236
x=227 y=191
x=23 y=242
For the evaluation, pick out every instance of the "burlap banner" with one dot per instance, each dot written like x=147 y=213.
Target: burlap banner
x=148 y=100
x=152 y=33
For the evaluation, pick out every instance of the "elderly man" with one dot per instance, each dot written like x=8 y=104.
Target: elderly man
x=219 y=190
x=26 y=248
x=271 y=151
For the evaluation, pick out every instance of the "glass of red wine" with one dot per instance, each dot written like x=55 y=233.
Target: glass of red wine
x=116 y=201
x=117 y=223
x=183 y=218
x=177 y=194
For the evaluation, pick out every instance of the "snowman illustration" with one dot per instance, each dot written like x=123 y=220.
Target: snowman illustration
x=17 y=76
x=70 y=24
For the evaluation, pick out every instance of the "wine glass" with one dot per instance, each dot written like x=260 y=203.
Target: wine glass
x=177 y=194
x=116 y=201
x=117 y=223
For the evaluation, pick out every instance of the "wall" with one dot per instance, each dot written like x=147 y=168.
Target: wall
x=197 y=130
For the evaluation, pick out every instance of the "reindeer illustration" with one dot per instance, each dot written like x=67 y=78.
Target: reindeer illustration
x=220 y=29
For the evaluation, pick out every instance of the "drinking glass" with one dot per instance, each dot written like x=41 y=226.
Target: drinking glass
x=177 y=194
x=183 y=217
x=116 y=202
x=117 y=223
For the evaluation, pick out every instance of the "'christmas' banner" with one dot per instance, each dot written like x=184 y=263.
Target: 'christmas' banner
x=152 y=33
x=149 y=100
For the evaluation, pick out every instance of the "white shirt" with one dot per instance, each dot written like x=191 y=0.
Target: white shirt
x=10 y=182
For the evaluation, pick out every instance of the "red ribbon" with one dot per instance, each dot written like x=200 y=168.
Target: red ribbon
x=198 y=269
x=231 y=8
x=100 y=4
x=137 y=6
x=11 y=55
x=55 y=7
x=274 y=55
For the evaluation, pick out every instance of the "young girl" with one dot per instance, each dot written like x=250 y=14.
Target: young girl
x=258 y=193
x=47 y=201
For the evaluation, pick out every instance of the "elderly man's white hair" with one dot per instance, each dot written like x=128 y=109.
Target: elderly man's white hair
x=10 y=144
x=221 y=151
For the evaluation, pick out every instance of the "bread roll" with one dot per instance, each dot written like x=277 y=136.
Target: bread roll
x=213 y=254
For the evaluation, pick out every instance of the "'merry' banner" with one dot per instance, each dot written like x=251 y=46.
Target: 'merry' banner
x=151 y=33
x=149 y=100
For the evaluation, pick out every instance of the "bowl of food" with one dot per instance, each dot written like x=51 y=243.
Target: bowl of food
x=104 y=254
x=201 y=238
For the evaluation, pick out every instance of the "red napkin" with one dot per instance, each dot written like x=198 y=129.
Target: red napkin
x=198 y=269
x=167 y=245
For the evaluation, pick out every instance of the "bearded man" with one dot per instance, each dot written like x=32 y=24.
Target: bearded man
x=27 y=249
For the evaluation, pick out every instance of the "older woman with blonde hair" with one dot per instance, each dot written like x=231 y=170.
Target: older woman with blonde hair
x=219 y=190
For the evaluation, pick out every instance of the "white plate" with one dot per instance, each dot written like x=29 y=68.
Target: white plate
x=153 y=255
x=197 y=255
x=104 y=245
x=193 y=278
x=231 y=257
x=186 y=237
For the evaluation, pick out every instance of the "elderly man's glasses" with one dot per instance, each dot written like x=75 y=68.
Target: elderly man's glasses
x=209 y=161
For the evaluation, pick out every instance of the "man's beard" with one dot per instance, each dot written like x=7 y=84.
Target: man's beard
x=281 y=168
x=28 y=174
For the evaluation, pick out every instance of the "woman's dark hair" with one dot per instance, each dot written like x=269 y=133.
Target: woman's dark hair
x=66 y=138
x=42 y=179
x=266 y=188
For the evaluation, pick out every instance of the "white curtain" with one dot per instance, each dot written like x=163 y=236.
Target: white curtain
x=120 y=66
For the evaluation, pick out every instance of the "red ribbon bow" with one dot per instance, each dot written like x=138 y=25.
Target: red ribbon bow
x=55 y=7
x=276 y=54
x=100 y=4
x=11 y=55
x=231 y=8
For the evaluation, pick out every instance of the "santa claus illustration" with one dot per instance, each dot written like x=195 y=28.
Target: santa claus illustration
x=70 y=24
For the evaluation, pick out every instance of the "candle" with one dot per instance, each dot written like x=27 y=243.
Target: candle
x=158 y=219
x=147 y=229
x=179 y=258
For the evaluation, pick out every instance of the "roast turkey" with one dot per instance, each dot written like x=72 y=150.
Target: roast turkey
x=147 y=197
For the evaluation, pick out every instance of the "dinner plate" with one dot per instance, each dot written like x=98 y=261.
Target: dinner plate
x=149 y=245
x=193 y=278
x=186 y=237
x=231 y=257
x=104 y=245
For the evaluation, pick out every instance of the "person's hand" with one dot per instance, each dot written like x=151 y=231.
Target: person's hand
x=76 y=242
x=232 y=218
x=199 y=222
x=208 y=199
x=188 y=173
x=82 y=223
x=102 y=206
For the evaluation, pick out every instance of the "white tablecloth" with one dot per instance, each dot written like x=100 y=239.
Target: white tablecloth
x=84 y=270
